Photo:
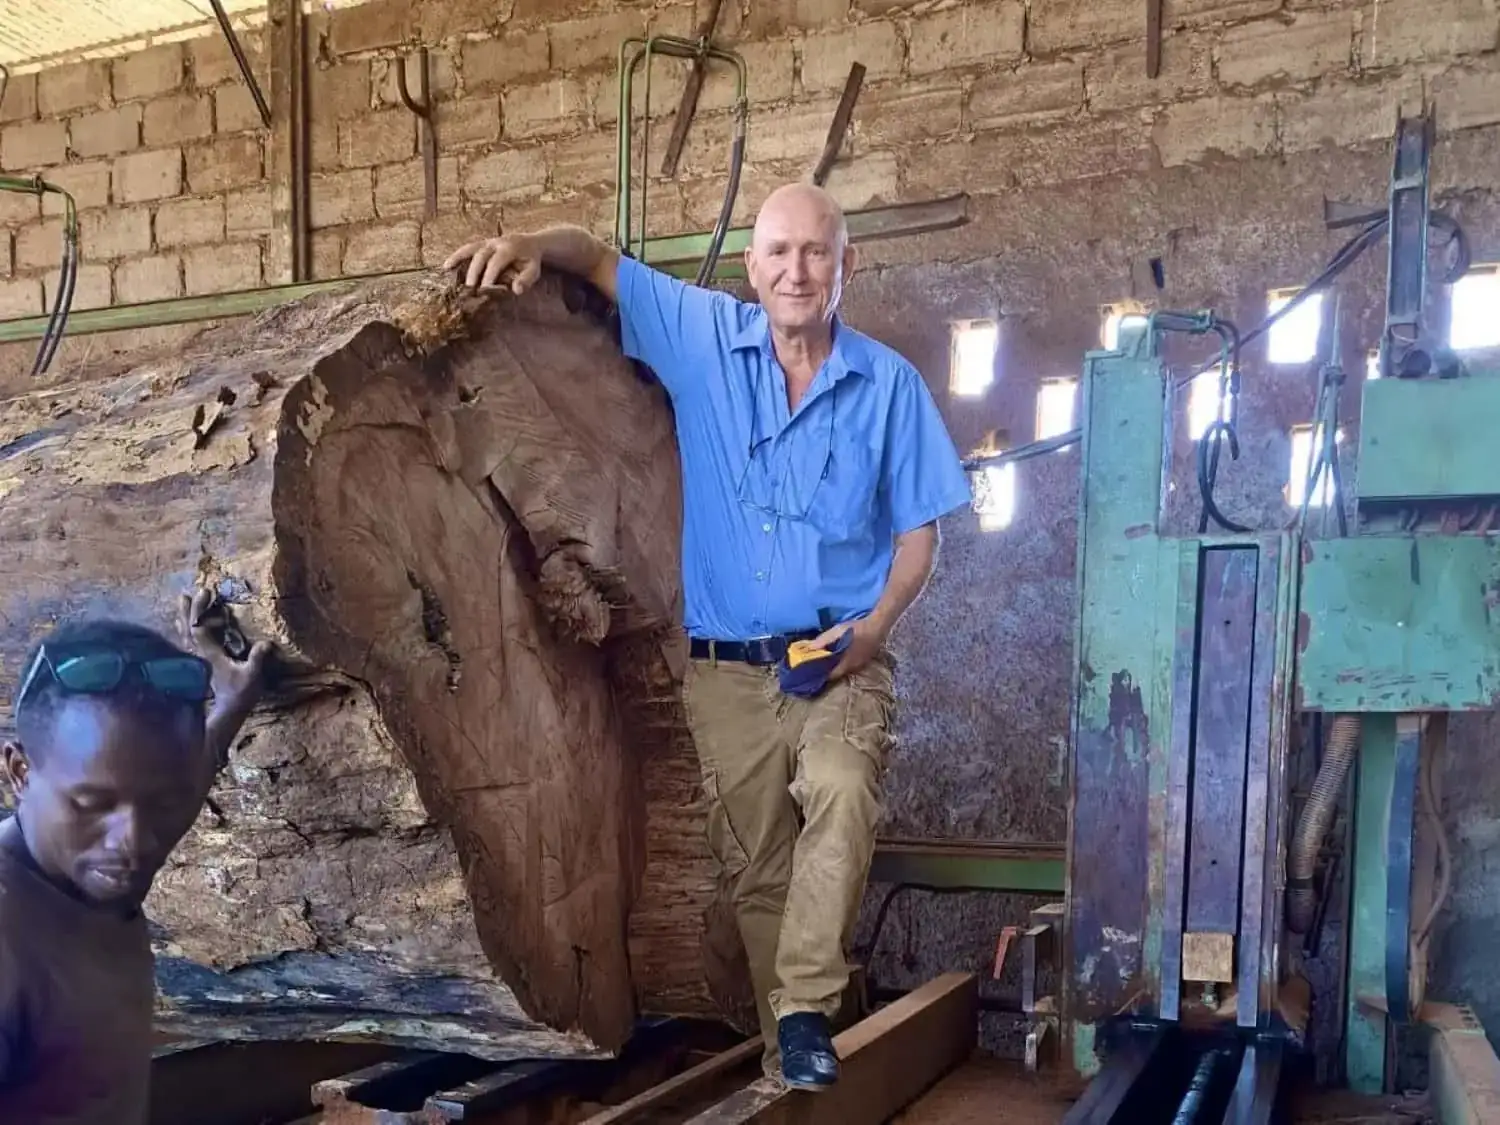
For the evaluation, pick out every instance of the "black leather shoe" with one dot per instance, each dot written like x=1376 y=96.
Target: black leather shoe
x=808 y=1061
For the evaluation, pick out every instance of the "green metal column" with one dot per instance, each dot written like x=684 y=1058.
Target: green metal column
x=1365 y=1038
x=1127 y=611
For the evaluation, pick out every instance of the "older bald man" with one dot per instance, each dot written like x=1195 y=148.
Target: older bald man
x=815 y=467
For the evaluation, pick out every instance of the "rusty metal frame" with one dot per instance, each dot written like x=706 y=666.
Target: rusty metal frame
x=424 y=113
x=1153 y=38
x=688 y=106
x=843 y=116
x=246 y=71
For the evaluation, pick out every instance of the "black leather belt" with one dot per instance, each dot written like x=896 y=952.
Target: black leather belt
x=762 y=650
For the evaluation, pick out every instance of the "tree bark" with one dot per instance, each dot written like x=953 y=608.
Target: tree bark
x=467 y=816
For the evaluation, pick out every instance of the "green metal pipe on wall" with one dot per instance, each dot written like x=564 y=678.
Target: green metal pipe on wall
x=676 y=254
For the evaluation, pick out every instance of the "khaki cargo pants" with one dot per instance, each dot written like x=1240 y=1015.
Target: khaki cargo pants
x=794 y=796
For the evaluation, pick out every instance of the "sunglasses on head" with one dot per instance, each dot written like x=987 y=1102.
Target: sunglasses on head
x=100 y=671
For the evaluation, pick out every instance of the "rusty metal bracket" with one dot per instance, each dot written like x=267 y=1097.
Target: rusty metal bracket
x=689 y=103
x=424 y=113
x=1153 y=38
x=1002 y=950
x=246 y=72
x=840 y=126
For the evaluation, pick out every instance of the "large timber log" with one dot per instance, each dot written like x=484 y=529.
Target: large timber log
x=467 y=815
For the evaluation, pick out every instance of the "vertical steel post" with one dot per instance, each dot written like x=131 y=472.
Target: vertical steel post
x=1380 y=920
x=1126 y=617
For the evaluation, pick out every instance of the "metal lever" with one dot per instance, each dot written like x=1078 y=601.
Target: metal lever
x=423 y=112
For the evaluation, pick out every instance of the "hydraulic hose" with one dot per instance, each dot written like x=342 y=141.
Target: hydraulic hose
x=1317 y=816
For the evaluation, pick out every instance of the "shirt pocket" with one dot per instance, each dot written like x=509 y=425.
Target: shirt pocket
x=843 y=507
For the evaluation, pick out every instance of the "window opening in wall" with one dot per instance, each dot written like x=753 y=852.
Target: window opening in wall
x=1204 y=403
x=1474 y=309
x=1116 y=319
x=972 y=357
x=995 y=496
x=1294 y=338
x=1304 y=439
x=1056 y=407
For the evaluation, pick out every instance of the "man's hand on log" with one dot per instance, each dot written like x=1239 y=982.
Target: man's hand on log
x=237 y=684
x=513 y=257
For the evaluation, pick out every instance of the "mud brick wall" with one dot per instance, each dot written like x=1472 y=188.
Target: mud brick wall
x=1081 y=169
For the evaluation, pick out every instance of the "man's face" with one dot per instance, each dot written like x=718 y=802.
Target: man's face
x=797 y=265
x=110 y=795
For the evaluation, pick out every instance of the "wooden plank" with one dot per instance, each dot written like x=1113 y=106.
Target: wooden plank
x=887 y=1062
x=1207 y=956
x=680 y=1087
x=1465 y=1081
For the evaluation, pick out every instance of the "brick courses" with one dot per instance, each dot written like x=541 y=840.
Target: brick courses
x=168 y=160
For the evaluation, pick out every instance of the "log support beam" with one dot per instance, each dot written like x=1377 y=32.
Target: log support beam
x=888 y=1061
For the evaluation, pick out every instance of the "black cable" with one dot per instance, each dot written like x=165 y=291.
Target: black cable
x=731 y=193
x=1345 y=257
x=67 y=284
x=66 y=287
x=67 y=275
x=1220 y=430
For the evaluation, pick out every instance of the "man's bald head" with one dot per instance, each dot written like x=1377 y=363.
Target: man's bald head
x=803 y=200
x=799 y=257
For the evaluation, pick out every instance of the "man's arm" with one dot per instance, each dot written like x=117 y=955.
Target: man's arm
x=922 y=479
x=237 y=685
x=911 y=567
x=668 y=325
x=568 y=248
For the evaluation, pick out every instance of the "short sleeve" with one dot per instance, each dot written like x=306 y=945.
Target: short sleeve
x=667 y=324
x=923 y=475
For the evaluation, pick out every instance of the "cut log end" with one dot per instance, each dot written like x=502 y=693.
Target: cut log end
x=459 y=517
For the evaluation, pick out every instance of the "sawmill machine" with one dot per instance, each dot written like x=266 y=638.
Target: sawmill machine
x=1208 y=664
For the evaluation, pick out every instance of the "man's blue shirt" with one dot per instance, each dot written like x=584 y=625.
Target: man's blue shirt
x=787 y=518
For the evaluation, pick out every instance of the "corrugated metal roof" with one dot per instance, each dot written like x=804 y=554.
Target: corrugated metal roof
x=37 y=33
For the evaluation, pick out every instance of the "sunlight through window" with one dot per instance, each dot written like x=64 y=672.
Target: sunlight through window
x=1294 y=338
x=995 y=496
x=1056 y=407
x=1302 y=456
x=1475 y=311
x=1203 y=403
x=1114 y=322
x=972 y=357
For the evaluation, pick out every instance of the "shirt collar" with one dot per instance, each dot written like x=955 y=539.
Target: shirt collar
x=848 y=357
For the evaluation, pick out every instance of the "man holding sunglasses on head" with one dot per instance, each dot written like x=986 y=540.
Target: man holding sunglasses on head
x=814 y=468
x=118 y=736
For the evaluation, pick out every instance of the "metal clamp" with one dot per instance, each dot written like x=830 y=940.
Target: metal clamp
x=1040 y=944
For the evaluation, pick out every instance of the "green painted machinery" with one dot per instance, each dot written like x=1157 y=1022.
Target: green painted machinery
x=1204 y=662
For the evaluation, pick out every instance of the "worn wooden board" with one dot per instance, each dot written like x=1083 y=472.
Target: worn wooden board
x=887 y=1061
x=680 y=1087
